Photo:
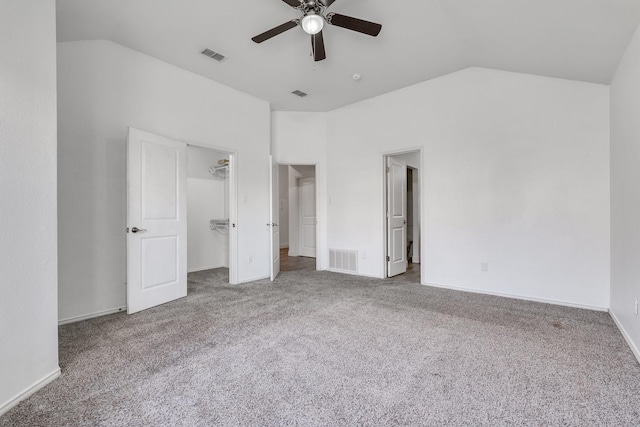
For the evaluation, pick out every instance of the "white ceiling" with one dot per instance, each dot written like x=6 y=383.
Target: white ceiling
x=420 y=40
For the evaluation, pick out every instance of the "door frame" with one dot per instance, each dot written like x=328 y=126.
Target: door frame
x=274 y=219
x=319 y=255
x=383 y=223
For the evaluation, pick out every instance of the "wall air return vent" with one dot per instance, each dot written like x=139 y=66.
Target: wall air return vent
x=299 y=93
x=343 y=261
x=213 y=55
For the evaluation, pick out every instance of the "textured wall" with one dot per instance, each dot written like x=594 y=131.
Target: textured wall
x=28 y=248
x=625 y=193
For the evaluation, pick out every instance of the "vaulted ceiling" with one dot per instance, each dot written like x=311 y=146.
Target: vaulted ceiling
x=420 y=40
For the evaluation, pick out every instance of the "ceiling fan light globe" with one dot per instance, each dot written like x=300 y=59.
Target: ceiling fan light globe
x=312 y=23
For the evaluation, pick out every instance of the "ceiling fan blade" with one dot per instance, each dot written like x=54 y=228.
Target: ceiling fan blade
x=293 y=3
x=354 y=24
x=275 y=31
x=317 y=44
x=327 y=3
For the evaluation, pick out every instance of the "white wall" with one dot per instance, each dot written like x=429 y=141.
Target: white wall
x=625 y=193
x=104 y=88
x=301 y=139
x=28 y=260
x=207 y=199
x=516 y=174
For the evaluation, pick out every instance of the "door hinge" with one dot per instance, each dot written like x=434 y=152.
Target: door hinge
x=388 y=258
x=388 y=169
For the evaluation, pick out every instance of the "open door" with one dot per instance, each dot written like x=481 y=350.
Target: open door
x=274 y=219
x=156 y=220
x=396 y=217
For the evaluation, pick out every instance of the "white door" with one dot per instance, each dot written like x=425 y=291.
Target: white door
x=396 y=217
x=156 y=220
x=274 y=219
x=307 y=198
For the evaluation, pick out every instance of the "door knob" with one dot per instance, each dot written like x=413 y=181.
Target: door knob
x=138 y=230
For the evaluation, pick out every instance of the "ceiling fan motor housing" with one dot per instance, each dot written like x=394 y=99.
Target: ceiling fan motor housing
x=312 y=7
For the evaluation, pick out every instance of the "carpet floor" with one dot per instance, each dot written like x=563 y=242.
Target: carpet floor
x=323 y=349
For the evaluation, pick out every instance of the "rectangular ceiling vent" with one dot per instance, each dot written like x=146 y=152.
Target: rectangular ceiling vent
x=299 y=93
x=343 y=261
x=213 y=55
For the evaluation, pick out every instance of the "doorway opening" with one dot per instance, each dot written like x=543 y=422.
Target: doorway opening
x=209 y=201
x=402 y=213
x=297 y=217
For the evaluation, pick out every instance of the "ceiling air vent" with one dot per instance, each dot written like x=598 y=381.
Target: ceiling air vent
x=299 y=93
x=213 y=55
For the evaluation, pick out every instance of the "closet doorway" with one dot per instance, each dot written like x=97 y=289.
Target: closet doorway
x=209 y=202
x=298 y=217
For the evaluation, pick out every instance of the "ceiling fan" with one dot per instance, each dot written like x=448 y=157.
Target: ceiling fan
x=313 y=20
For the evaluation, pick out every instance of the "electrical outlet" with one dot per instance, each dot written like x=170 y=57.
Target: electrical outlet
x=636 y=306
x=364 y=254
x=250 y=260
x=484 y=266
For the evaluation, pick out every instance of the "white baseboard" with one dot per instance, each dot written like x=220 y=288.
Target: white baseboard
x=353 y=273
x=209 y=267
x=627 y=338
x=29 y=391
x=254 y=279
x=91 y=315
x=284 y=245
x=521 y=297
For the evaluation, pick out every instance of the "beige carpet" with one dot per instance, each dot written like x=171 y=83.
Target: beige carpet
x=318 y=348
